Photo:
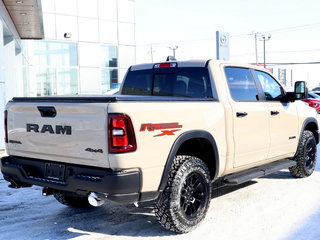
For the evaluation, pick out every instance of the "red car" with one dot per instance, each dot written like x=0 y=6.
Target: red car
x=313 y=100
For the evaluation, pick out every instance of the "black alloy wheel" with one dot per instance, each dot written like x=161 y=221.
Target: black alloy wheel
x=193 y=195
x=310 y=155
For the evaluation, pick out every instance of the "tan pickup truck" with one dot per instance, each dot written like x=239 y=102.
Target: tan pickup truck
x=174 y=131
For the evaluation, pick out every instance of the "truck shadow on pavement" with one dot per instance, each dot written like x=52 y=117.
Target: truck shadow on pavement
x=111 y=219
x=218 y=192
x=114 y=219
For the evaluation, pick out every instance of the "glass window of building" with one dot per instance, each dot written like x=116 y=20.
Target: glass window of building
x=90 y=80
x=67 y=81
x=89 y=54
x=127 y=56
x=109 y=56
x=54 y=53
x=109 y=80
x=56 y=81
x=46 y=81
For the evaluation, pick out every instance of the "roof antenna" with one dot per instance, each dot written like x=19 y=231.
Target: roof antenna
x=171 y=58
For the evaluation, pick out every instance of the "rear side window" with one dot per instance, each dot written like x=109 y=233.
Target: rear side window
x=241 y=84
x=175 y=82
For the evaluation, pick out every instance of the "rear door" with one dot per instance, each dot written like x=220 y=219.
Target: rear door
x=250 y=118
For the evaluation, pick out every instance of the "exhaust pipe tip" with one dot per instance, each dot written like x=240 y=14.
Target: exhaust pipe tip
x=97 y=199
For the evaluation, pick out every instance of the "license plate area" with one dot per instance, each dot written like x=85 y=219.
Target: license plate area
x=55 y=171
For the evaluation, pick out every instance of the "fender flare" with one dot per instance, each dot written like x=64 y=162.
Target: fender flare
x=175 y=147
x=304 y=125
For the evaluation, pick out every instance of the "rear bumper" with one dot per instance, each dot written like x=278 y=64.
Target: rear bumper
x=120 y=186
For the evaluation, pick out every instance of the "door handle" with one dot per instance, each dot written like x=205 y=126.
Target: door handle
x=273 y=113
x=241 y=114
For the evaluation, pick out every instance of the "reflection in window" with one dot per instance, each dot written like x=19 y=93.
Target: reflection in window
x=271 y=88
x=67 y=81
x=56 y=81
x=109 y=56
x=46 y=82
x=55 y=53
x=109 y=80
x=241 y=84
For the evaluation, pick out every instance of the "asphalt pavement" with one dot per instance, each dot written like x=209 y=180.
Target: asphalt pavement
x=276 y=207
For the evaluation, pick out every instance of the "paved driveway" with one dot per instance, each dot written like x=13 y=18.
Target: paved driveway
x=273 y=207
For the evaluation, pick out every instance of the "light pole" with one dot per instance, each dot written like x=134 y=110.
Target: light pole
x=264 y=38
x=173 y=50
x=256 y=34
x=151 y=52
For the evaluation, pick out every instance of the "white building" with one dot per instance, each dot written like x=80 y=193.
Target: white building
x=88 y=47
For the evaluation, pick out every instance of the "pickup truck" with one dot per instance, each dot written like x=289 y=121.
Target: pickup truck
x=176 y=131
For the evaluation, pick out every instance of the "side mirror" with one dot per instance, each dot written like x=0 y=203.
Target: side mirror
x=300 y=90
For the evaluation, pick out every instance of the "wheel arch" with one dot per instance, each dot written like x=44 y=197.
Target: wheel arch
x=182 y=146
x=311 y=124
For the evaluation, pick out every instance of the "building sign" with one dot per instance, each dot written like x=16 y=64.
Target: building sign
x=222 y=45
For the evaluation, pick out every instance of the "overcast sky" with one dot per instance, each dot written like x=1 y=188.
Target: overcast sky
x=191 y=25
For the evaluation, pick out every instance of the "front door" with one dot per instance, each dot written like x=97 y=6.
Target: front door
x=284 y=134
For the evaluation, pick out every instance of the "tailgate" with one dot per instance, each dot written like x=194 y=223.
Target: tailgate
x=62 y=131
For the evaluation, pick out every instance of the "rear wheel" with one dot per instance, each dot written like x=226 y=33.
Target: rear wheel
x=72 y=199
x=306 y=157
x=185 y=201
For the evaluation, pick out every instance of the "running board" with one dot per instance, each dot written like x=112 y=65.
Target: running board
x=247 y=175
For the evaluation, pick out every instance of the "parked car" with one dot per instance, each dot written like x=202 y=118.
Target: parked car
x=313 y=100
x=316 y=90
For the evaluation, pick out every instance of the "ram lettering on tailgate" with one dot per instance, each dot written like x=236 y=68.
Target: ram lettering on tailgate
x=58 y=129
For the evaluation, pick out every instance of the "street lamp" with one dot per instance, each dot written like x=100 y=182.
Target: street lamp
x=173 y=50
x=264 y=38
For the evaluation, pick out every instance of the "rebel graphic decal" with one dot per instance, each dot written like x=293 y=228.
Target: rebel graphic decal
x=159 y=126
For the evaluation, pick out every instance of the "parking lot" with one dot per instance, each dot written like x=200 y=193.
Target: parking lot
x=273 y=207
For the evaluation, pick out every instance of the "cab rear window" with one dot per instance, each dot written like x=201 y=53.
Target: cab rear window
x=178 y=82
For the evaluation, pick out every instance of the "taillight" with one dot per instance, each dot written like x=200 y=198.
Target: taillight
x=6 y=126
x=121 y=134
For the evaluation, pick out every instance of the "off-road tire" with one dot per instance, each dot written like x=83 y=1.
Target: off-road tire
x=185 y=200
x=72 y=199
x=306 y=156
